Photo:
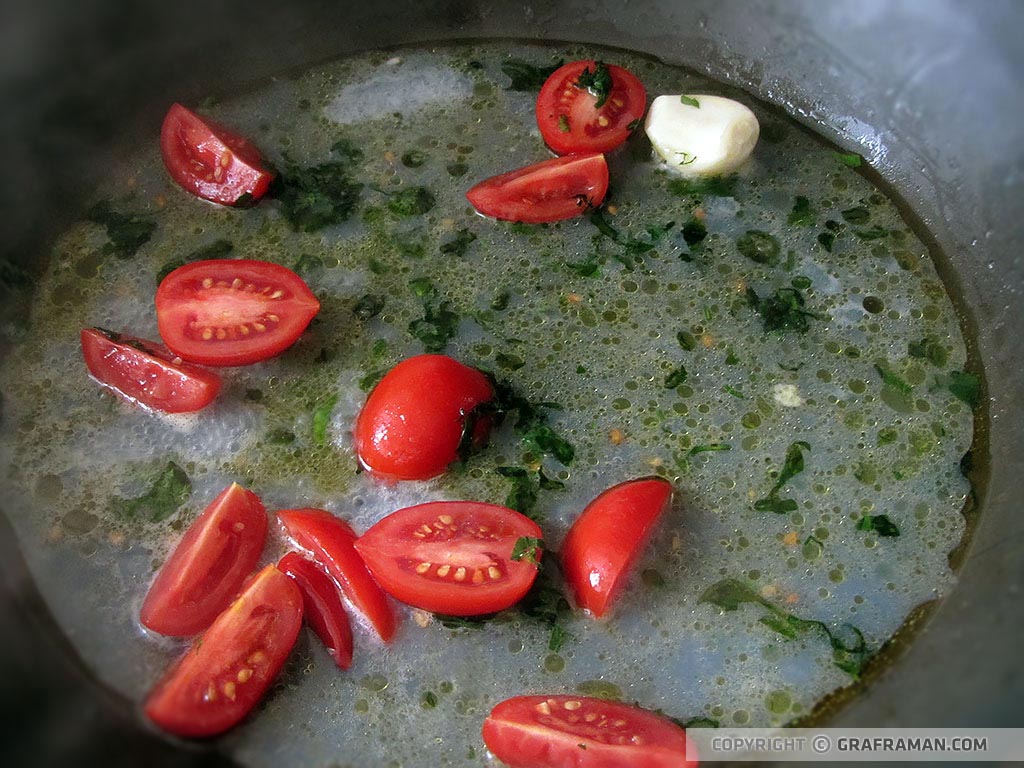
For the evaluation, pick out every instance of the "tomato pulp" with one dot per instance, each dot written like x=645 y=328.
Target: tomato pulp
x=330 y=542
x=451 y=557
x=605 y=541
x=147 y=373
x=210 y=161
x=226 y=672
x=416 y=418
x=598 y=117
x=552 y=190
x=232 y=311
x=208 y=566
x=582 y=732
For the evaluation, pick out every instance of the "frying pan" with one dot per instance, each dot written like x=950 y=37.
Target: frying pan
x=929 y=91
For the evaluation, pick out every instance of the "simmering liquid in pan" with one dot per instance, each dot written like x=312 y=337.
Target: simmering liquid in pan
x=640 y=326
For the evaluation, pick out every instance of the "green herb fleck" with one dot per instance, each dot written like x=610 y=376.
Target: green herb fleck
x=857 y=215
x=689 y=101
x=694 y=231
x=368 y=306
x=803 y=214
x=347 y=150
x=322 y=418
x=500 y=300
x=526 y=76
x=676 y=377
x=965 y=387
x=813 y=548
x=316 y=197
x=687 y=158
x=734 y=392
x=589 y=268
x=792 y=466
x=169 y=491
x=546 y=440
x=783 y=310
x=686 y=340
x=563 y=123
x=880 y=524
x=528 y=549
x=759 y=246
x=711 y=186
x=930 y=350
x=437 y=326
x=428 y=700
x=126 y=232
x=509 y=362
x=414 y=158
x=458 y=245
x=598 y=82
x=411 y=201
x=849 y=159
x=890 y=379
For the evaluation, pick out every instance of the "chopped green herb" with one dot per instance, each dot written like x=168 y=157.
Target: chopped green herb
x=848 y=655
x=880 y=524
x=322 y=419
x=545 y=603
x=676 y=377
x=813 y=548
x=849 y=159
x=700 y=722
x=563 y=123
x=887 y=435
x=874 y=233
x=528 y=549
x=792 y=466
x=458 y=245
x=500 y=300
x=598 y=82
x=734 y=392
x=548 y=483
x=588 y=268
x=509 y=362
x=689 y=101
x=169 y=491
x=826 y=240
x=694 y=231
x=759 y=246
x=126 y=232
x=369 y=380
x=437 y=326
x=411 y=250
x=368 y=306
x=651 y=577
x=803 y=214
x=347 y=150
x=523 y=495
x=782 y=311
x=414 y=158
x=686 y=158
x=930 y=350
x=422 y=287
x=686 y=340
x=711 y=186
x=428 y=700
x=634 y=246
x=320 y=196
x=546 y=440
x=890 y=379
x=857 y=215
x=526 y=76
x=709 y=448
x=411 y=201
x=530 y=422
x=965 y=387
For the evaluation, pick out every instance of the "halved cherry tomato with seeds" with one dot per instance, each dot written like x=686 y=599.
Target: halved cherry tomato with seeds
x=582 y=732
x=147 y=373
x=451 y=557
x=416 y=418
x=572 y=118
x=226 y=671
x=232 y=311
x=605 y=541
x=323 y=609
x=330 y=542
x=208 y=566
x=210 y=161
x=552 y=190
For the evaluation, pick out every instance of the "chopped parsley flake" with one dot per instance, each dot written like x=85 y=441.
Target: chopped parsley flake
x=880 y=524
x=598 y=82
x=689 y=101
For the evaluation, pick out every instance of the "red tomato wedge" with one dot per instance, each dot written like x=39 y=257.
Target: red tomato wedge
x=552 y=190
x=210 y=161
x=227 y=671
x=209 y=565
x=581 y=732
x=605 y=541
x=575 y=119
x=451 y=557
x=415 y=419
x=147 y=373
x=322 y=606
x=232 y=311
x=330 y=540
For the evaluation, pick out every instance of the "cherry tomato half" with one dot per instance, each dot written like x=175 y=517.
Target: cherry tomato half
x=552 y=190
x=329 y=541
x=451 y=557
x=227 y=671
x=605 y=541
x=208 y=566
x=147 y=373
x=570 y=118
x=210 y=161
x=415 y=419
x=582 y=732
x=322 y=606
x=232 y=311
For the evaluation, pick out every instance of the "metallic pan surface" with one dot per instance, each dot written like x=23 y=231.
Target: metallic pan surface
x=930 y=91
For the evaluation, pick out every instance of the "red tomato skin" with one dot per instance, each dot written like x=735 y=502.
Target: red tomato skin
x=155 y=378
x=226 y=672
x=560 y=96
x=552 y=190
x=397 y=546
x=321 y=606
x=413 y=421
x=330 y=543
x=211 y=161
x=209 y=565
x=194 y=303
x=605 y=541
x=540 y=732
